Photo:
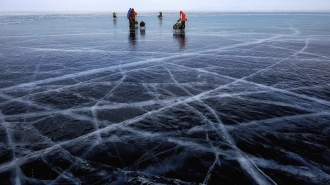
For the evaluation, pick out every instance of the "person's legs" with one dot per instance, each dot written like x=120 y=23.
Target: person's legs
x=133 y=23
x=183 y=24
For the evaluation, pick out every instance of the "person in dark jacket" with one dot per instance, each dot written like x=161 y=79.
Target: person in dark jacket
x=129 y=16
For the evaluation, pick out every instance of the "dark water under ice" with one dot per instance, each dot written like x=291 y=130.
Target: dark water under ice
x=237 y=99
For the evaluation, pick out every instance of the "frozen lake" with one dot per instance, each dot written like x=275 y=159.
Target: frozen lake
x=237 y=99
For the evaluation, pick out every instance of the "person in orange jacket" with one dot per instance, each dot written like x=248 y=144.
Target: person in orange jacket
x=183 y=19
x=133 y=18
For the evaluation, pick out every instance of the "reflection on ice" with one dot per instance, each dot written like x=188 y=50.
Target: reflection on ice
x=181 y=38
x=132 y=37
x=89 y=104
x=143 y=32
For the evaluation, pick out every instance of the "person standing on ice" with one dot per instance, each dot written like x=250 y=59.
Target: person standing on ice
x=129 y=16
x=183 y=20
x=133 y=18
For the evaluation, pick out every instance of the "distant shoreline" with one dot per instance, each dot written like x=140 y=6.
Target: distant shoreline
x=168 y=12
x=111 y=11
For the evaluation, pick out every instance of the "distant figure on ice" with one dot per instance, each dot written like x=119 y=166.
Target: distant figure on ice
x=183 y=20
x=142 y=25
x=160 y=15
x=129 y=16
x=114 y=15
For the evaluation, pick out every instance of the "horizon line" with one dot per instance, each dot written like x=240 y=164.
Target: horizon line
x=174 y=11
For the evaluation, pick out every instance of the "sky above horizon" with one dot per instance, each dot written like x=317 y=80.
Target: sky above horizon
x=168 y=5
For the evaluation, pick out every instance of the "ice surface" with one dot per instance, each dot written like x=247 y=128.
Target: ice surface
x=236 y=99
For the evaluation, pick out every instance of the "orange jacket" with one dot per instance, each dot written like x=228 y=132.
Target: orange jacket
x=133 y=14
x=183 y=16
